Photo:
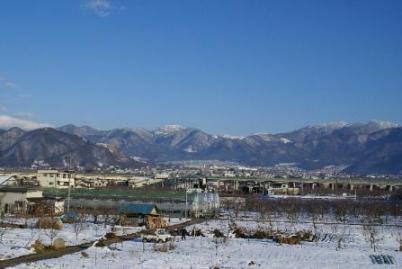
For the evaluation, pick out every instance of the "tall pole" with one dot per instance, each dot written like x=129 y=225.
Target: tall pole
x=185 y=213
x=69 y=185
x=69 y=194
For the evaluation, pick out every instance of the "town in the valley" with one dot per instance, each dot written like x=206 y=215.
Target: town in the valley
x=199 y=216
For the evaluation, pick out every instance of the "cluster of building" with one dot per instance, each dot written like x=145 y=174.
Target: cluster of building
x=65 y=179
x=24 y=194
x=285 y=171
x=30 y=201
x=201 y=183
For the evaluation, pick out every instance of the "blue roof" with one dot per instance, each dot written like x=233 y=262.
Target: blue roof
x=141 y=209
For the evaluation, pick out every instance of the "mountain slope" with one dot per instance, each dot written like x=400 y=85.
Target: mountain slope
x=56 y=148
x=9 y=137
x=83 y=131
x=383 y=154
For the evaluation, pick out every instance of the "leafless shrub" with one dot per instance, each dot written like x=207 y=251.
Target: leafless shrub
x=218 y=234
x=372 y=235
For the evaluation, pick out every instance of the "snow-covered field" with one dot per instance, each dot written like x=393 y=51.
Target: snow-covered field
x=17 y=242
x=208 y=252
x=202 y=253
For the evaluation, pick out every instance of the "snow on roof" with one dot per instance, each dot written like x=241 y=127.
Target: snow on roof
x=3 y=179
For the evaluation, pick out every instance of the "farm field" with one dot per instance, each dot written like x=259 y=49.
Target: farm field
x=207 y=251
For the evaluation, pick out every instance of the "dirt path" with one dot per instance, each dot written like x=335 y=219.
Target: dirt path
x=43 y=256
x=51 y=254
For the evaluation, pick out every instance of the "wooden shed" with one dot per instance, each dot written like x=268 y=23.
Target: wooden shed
x=147 y=214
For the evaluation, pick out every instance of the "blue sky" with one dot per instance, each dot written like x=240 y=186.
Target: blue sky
x=228 y=67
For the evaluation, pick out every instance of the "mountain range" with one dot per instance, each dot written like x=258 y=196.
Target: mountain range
x=48 y=146
x=374 y=147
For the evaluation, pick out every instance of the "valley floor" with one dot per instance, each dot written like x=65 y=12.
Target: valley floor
x=208 y=252
x=202 y=253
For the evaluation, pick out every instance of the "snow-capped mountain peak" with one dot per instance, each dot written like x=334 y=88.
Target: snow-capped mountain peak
x=232 y=137
x=331 y=125
x=384 y=124
x=170 y=128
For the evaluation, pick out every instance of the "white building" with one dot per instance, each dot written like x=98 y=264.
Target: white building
x=17 y=199
x=139 y=182
x=55 y=179
x=229 y=174
x=91 y=183
x=162 y=175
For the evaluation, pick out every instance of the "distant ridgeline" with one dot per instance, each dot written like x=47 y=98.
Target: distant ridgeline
x=364 y=148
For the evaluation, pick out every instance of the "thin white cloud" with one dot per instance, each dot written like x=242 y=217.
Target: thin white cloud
x=10 y=121
x=23 y=115
x=23 y=96
x=7 y=84
x=101 y=8
x=10 y=85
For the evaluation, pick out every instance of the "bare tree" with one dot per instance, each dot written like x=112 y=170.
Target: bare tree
x=3 y=230
x=292 y=211
x=51 y=232
x=106 y=215
x=372 y=235
x=340 y=231
x=49 y=222
x=78 y=224
x=341 y=211
x=313 y=212
x=399 y=240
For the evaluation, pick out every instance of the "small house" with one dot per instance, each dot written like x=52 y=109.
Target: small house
x=18 y=200
x=147 y=214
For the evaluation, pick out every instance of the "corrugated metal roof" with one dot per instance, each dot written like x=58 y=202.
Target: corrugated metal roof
x=3 y=179
x=141 y=209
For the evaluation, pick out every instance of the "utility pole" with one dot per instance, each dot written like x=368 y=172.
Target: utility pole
x=185 y=213
x=68 y=195
x=69 y=184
